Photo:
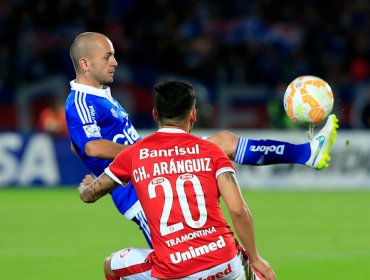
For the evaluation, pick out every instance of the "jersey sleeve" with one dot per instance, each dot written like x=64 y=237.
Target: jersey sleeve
x=222 y=162
x=80 y=117
x=120 y=169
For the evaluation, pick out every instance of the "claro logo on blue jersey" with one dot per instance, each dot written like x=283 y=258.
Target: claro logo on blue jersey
x=128 y=136
x=279 y=150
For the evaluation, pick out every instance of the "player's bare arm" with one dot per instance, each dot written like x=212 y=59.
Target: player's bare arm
x=103 y=149
x=91 y=190
x=239 y=211
x=242 y=220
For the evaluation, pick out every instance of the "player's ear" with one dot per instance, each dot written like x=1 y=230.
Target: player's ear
x=155 y=115
x=83 y=63
x=193 y=116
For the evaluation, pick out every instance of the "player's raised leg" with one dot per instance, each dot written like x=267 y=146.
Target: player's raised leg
x=321 y=144
x=268 y=151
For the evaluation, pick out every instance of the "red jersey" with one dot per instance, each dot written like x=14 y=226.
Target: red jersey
x=174 y=174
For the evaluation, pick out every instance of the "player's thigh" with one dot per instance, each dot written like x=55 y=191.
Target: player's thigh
x=130 y=263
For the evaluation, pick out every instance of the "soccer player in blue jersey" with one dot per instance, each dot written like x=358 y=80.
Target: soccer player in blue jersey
x=100 y=128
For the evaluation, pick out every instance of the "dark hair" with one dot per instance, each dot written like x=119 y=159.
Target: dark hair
x=173 y=100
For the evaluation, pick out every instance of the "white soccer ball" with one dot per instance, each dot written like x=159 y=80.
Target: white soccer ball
x=308 y=100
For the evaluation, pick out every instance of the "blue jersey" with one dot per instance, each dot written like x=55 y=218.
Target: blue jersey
x=93 y=114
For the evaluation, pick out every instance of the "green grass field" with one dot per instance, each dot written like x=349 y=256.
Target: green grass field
x=51 y=234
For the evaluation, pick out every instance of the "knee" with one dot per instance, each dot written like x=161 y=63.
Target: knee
x=107 y=265
x=221 y=138
x=224 y=135
x=226 y=140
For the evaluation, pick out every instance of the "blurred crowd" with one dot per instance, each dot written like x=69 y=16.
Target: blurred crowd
x=254 y=42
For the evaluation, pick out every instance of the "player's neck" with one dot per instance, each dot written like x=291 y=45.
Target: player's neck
x=85 y=81
x=182 y=127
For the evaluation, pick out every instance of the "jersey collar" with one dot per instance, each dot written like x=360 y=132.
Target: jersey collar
x=101 y=92
x=171 y=130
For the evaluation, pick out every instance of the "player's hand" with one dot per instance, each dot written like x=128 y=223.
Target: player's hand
x=87 y=180
x=264 y=268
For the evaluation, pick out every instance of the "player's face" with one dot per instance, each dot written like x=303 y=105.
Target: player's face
x=103 y=62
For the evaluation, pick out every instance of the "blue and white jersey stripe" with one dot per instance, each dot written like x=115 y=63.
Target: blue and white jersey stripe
x=240 y=150
x=143 y=223
x=81 y=106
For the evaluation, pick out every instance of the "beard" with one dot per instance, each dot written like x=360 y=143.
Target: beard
x=103 y=78
x=106 y=81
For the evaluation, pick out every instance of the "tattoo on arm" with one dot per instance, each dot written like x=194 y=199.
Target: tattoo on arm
x=230 y=176
x=100 y=187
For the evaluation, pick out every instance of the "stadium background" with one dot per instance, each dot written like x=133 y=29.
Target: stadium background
x=240 y=55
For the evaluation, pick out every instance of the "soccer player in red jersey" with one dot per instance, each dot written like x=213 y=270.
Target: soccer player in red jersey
x=179 y=179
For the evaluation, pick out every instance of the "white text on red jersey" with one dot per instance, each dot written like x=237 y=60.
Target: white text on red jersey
x=175 y=151
x=198 y=251
x=173 y=167
x=190 y=236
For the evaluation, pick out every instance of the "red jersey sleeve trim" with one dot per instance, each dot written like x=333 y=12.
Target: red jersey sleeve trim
x=112 y=176
x=223 y=170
